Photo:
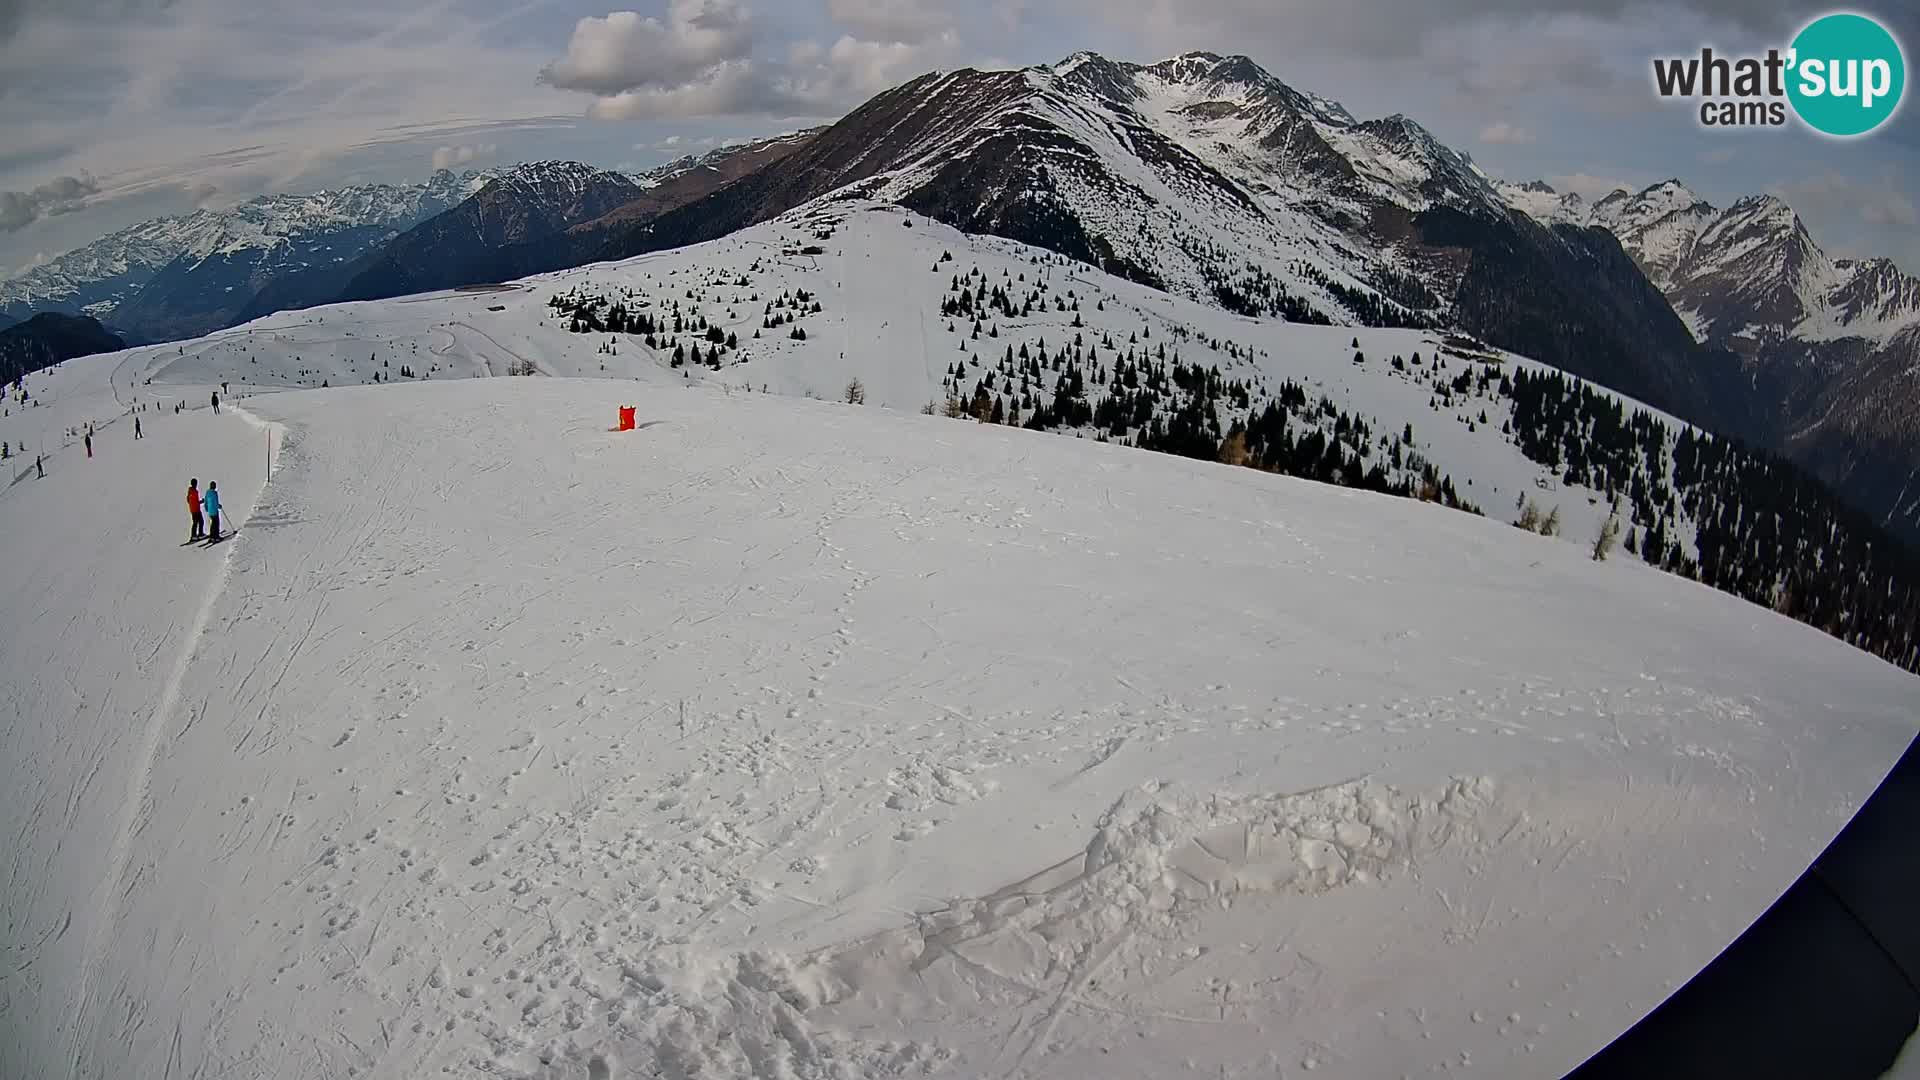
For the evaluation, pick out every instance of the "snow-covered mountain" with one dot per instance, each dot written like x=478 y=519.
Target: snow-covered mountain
x=680 y=182
x=526 y=204
x=532 y=216
x=1237 y=173
x=1208 y=177
x=98 y=277
x=1204 y=175
x=1541 y=201
x=735 y=160
x=1746 y=275
x=559 y=189
x=1831 y=346
x=180 y=276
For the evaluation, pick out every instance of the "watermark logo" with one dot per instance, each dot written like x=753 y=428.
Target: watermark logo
x=1843 y=75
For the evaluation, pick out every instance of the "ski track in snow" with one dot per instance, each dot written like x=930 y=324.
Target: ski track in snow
x=113 y=608
x=152 y=735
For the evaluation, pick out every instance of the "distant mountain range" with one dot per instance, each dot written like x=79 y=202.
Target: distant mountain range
x=1203 y=175
x=539 y=217
x=183 y=276
x=1829 y=348
x=456 y=246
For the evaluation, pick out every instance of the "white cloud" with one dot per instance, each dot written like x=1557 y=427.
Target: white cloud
x=904 y=21
x=844 y=75
x=1891 y=208
x=729 y=89
x=452 y=157
x=626 y=51
x=814 y=82
x=61 y=195
x=1395 y=29
x=1879 y=202
x=872 y=66
x=699 y=62
x=1503 y=132
x=802 y=53
x=250 y=95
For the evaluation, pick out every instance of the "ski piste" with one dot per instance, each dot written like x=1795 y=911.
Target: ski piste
x=797 y=735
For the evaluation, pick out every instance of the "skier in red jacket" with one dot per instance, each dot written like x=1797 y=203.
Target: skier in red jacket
x=193 y=508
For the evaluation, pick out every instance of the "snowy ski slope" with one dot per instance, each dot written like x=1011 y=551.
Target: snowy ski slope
x=793 y=739
x=880 y=285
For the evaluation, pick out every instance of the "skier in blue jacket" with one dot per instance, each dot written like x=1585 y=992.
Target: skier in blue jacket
x=212 y=505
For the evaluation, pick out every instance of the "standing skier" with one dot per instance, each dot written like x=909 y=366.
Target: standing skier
x=136 y=428
x=193 y=508
x=213 y=512
x=89 y=441
x=216 y=404
x=40 y=466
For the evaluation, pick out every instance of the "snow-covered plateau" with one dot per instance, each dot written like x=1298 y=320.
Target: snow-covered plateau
x=880 y=277
x=790 y=738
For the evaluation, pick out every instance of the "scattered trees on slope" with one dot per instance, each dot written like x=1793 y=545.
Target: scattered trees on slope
x=1763 y=529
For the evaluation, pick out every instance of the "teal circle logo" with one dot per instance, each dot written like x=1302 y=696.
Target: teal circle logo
x=1847 y=75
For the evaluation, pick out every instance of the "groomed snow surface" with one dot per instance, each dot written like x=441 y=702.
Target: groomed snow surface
x=792 y=739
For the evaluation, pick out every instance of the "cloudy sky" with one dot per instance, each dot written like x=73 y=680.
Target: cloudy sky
x=112 y=111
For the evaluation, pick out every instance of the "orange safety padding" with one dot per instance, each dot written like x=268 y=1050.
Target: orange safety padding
x=626 y=417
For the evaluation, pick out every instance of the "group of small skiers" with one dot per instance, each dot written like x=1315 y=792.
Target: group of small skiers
x=203 y=509
x=209 y=528
x=40 y=467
